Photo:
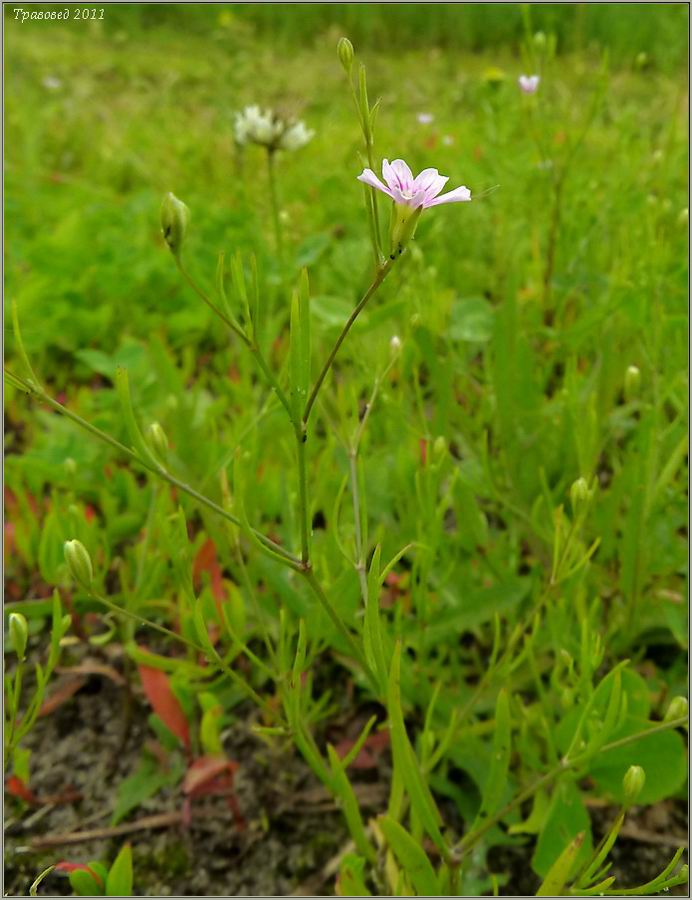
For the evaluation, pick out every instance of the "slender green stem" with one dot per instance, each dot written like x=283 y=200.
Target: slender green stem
x=273 y=196
x=240 y=682
x=473 y=837
x=380 y=276
x=303 y=502
x=340 y=626
x=271 y=546
x=252 y=345
x=271 y=378
x=235 y=328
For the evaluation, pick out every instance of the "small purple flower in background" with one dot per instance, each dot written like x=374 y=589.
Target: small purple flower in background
x=425 y=118
x=529 y=83
x=405 y=190
x=411 y=196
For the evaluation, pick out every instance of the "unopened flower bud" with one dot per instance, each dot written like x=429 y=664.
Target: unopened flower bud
x=633 y=378
x=157 y=439
x=70 y=467
x=539 y=40
x=684 y=217
x=395 y=344
x=19 y=634
x=174 y=220
x=344 y=51
x=567 y=698
x=579 y=494
x=642 y=60
x=79 y=562
x=633 y=783
x=439 y=448
x=676 y=710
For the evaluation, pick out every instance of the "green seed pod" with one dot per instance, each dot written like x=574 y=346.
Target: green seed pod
x=633 y=783
x=633 y=379
x=579 y=494
x=344 y=51
x=676 y=710
x=19 y=634
x=157 y=440
x=79 y=562
x=174 y=220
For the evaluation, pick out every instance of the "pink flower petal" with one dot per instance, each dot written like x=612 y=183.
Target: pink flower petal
x=397 y=175
x=458 y=195
x=367 y=176
x=431 y=182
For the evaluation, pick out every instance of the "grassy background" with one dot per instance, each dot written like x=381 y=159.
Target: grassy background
x=525 y=388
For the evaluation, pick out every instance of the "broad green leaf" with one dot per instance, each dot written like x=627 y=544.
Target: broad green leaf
x=146 y=781
x=566 y=818
x=472 y=320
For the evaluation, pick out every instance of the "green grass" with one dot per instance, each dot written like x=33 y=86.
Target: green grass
x=518 y=317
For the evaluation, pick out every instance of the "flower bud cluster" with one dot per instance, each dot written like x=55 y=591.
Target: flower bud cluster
x=268 y=129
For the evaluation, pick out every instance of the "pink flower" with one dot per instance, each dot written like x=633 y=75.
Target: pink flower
x=405 y=190
x=529 y=83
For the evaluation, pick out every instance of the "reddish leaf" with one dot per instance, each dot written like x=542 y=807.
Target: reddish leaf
x=164 y=702
x=206 y=561
x=69 y=867
x=9 y=538
x=423 y=444
x=367 y=757
x=205 y=770
x=16 y=788
x=68 y=688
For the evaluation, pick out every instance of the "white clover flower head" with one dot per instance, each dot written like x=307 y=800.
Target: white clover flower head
x=257 y=126
x=529 y=83
x=295 y=137
x=266 y=128
x=395 y=343
x=425 y=118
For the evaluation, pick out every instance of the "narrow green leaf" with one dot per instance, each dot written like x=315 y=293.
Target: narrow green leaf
x=556 y=879
x=119 y=881
x=349 y=806
x=405 y=761
x=122 y=385
x=372 y=633
x=496 y=781
x=411 y=857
